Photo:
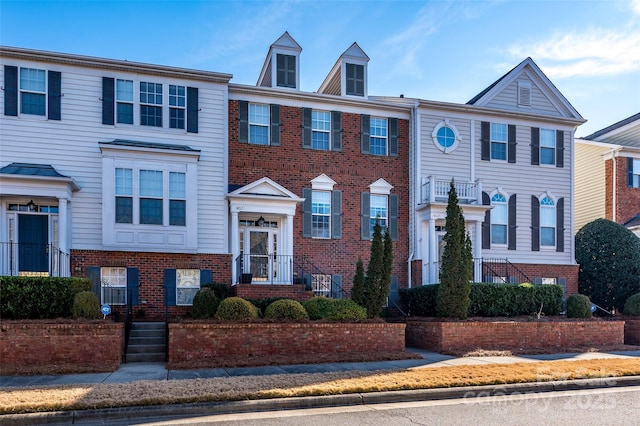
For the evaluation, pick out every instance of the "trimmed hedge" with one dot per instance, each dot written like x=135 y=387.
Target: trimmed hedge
x=489 y=300
x=632 y=305
x=286 y=309
x=86 y=305
x=236 y=308
x=39 y=297
x=205 y=304
x=578 y=306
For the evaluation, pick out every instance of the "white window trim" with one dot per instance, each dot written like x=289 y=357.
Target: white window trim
x=250 y=123
x=386 y=138
x=45 y=93
x=344 y=77
x=102 y=286
x=555 y=227
x=178 y=287
x=457 y=138
x=499 y=191
x=505 y=143
x=328 y=132
x=329 y=215
x=540 y=148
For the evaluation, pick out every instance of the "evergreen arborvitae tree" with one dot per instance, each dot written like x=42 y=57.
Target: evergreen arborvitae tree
x=375 y=274
x=456 y=270
x=357 y=292
x=388 y=261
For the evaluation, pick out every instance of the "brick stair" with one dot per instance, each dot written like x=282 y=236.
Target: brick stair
x=147 y=342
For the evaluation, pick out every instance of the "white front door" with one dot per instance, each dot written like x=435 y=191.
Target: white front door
x=259 y=251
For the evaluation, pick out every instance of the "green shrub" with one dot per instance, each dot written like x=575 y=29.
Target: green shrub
x=578 y=306
x=632 y=306
x=236 y=308
x=419 y=301
x=286 y=309
x=39 y=297
x=86 y=305
x=262 y=304
x=205 y=303
x=318 y=307
x=346 y=310
x=220 y=290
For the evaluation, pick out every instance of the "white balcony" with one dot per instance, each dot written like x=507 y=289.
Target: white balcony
x=437 y=191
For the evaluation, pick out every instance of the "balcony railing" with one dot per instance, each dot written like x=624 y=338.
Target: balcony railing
x=33 y=259
x=437 y=190
x=264 y=269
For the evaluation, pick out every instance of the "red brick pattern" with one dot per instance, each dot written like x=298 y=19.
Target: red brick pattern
x=32 y=344
x=294 y=167
x=151 y=268
x=263 y=291
x=213 y=345
x=627 y=199
x=465 y=336
x=570 y=272
x=632 y=332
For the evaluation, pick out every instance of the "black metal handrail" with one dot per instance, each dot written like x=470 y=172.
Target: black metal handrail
x=304 y=270
x=506 y=271
x=267 y=268
x=57 y=261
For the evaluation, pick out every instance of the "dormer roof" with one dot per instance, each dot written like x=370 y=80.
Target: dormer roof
x=525 y=88
x=625 y=132
x=289 y=51
x=339 y=83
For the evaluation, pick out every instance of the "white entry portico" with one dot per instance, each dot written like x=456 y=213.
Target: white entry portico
x=261 y=230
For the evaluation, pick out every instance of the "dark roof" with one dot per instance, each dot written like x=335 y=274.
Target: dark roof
x=233 y=186
x=153 y=145
x=477 y=97
x=613 y=126
x=634 y=221
x=27 y=169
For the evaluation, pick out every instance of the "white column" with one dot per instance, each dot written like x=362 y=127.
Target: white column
x=433 y=252
x=289 y=245
x=235 y=245
x=477 y=253
x=63 y=231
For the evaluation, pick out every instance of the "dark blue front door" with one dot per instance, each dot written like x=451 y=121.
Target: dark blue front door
x=32 y=238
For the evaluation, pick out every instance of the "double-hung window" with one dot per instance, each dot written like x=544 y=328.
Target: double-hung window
x=547 y=146
x=378 y=211
x=33 y=91
x=354 y=79
x=378 y=136
x=187 y=285
x=498 y=141
x=113 y=286
x=124 y=195
x=150 y=104
x=320 y=130
x=177 y=199
x=634 y=173
x=321 y=214
x=547 y=222
x=177 y=106
x=259 y=124
x=124 y=101
x=499 y=219
x=151 y=197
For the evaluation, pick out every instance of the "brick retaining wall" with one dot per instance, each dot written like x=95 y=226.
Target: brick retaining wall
x=454 y=337
x=56 y=348
x=264 y=291
x=632 y=332
x=214 y=345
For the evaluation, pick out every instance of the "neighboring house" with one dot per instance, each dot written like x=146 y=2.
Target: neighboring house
x=608 y=175
x=114 y=170
x=310 y=172
x=510 y=152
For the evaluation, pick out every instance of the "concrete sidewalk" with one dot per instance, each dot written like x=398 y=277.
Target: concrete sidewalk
x=131 y=372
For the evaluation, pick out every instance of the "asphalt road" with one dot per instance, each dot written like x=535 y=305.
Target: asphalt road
x=611 y=406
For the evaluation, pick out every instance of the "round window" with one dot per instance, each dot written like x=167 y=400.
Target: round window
x=445 y=136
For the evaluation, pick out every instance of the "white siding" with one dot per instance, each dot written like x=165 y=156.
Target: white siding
x=507 y=99
x=589 y=184
x=71 y=147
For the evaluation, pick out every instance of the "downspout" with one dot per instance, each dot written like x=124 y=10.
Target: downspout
x=614 y=158
x=409 y=260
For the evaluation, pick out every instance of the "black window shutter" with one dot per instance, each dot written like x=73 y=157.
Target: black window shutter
x=364 y=219
x=535 y=223
x=485 y=140
x=511 y=244
x=93 y=273
x=630 y=172
x=535 y=146
x=170 y=287
x=192 y=109
x=336 y=131
x=306 y=127
x=512 y=143
x=560 y=225
x=275 y=125
x=486 y=225
x=393 y=216
x=11 y=90
x=366 y=128
x=108 y=94
x=307 y=193
x=336 y=286
x=336 y=215
x=393 y=137
x=54 y=96
x=243 y=121
x=559 y=148
x=206 y=277
x=133 y=284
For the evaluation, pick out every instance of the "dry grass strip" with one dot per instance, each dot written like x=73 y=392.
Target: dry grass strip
x=73 y=397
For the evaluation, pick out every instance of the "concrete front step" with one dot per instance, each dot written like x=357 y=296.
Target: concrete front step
x=143 y=349
x=147 y=342
x=146 y=357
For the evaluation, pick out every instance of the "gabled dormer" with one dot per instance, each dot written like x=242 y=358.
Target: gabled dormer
x=348 y=77
x=526 y=89
x=282 y=66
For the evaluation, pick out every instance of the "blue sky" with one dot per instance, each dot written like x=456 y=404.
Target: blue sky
x=444 y=50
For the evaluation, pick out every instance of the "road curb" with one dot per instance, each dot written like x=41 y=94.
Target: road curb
x=211 y=408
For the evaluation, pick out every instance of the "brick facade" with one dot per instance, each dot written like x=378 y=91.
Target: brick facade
x=627 y=199
x=264 y=291
x=40 y=347
x=294 y=167
x=570 y=272
x=151 y=268
x=217 y=345
x=632 y=332
x=456 y=337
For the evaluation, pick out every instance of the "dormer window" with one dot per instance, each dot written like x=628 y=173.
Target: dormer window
x=355 y=79
x=286 y=70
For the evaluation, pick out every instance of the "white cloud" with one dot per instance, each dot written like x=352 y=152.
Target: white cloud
x=592 y=52
x=635 y=6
